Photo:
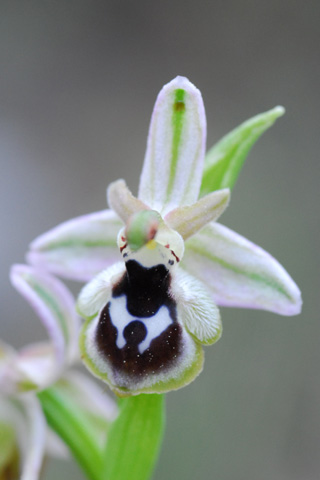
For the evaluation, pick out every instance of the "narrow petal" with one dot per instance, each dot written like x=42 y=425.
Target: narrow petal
x=239 y=273
x=172 y=170
x=196 y=308
x=189 y=220
x=79 y=248
x=121 y=200
x=54 y=305
x=26 y=417
x=224 y=160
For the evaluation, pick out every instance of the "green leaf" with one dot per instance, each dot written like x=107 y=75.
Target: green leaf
x=134 y=438
x=224 y=160
x=73 y=426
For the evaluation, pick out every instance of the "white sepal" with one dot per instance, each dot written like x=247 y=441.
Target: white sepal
x=239 y=273
x=173 y=164
x=79 y=248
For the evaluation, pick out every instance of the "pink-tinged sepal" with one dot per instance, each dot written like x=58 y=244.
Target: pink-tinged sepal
x=79 y=248
x=239 y=273
x=37 y=366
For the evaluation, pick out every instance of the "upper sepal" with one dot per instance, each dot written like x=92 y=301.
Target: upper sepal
x=173 y=164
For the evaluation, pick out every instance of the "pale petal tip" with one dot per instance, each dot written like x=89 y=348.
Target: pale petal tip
x=181 y=82
x=279 y=110
x=41 y=240
x=16 y=268
x=295 y=306
x=225 y=193
x=116 y=185
x=115 y=189
x=122 y=202
x=31 y=257
x=289 y=304
x=17 y=271
x=292 y=305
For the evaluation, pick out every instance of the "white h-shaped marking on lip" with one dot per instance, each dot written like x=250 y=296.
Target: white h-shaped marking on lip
x=120 y=318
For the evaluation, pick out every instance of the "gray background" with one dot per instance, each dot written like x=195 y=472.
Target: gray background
x=78 y=83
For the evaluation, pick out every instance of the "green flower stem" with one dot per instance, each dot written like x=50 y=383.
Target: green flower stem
x=9 y=457
x=69 y=422
x=134 y=438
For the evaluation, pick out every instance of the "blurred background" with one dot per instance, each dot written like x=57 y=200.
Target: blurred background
x=77 y=86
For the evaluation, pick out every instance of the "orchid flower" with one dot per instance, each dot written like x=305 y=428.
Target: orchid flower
x=149 y=313
x=39 y=365
x=25 y=436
